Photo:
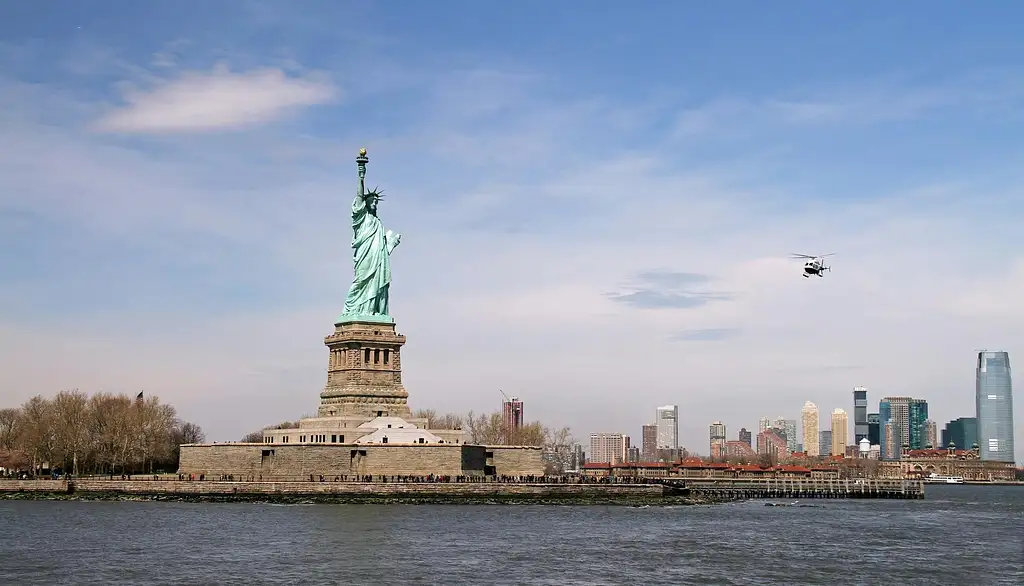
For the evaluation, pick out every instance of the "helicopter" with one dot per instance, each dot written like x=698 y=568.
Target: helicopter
x=815 y=265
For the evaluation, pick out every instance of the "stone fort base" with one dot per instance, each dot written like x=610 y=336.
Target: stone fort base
x=275 y=462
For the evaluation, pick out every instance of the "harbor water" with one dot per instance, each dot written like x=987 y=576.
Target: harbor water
x=957 y=535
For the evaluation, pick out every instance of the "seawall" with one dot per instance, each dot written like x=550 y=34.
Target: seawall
x=350 y=492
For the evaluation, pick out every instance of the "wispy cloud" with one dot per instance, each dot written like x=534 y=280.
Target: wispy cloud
x=195 y=102
x=705 y=335
x=668 y=290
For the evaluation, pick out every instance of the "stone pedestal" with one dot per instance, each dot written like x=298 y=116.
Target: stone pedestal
x=364 y=372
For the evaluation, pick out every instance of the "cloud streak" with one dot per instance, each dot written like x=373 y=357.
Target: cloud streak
x=219 y=99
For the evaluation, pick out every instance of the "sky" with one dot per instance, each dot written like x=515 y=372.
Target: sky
x=597 y=205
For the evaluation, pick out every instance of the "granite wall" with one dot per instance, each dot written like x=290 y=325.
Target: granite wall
x=295 y=462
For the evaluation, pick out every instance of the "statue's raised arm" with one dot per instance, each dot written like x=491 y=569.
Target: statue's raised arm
x=371 y=255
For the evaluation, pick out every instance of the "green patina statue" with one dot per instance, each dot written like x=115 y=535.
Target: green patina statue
x=367 y=298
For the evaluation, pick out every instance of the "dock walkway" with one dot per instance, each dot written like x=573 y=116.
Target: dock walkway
x=803 y=488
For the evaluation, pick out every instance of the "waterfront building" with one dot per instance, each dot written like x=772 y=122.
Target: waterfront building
x=667 y=420
x=649 y=443
x=961 y=432
x=717 y=440
x=809 y=415
x=745 y=436
x=608 y=448
x=763 y=424
x=994 y=405
x=860 y=414
x=840 y=433
x=968 y=464
x=824 y=442
x=907 y=416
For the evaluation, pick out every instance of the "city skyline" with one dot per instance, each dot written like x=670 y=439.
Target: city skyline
x=186 y=177
x=907 y=418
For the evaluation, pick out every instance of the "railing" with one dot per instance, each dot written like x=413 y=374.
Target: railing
x=813 y=487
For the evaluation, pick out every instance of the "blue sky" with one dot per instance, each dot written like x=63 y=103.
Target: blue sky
x=596 y=204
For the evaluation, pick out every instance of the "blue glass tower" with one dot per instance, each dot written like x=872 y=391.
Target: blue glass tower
x=905 y=417
x=994 y=402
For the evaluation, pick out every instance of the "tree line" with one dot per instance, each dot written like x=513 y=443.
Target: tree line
x=76 y=433
x=487 y=429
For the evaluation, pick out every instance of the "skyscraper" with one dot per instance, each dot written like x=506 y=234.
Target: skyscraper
x=841 y=431
x=874 y=429
x=994 y=404
x=717 y=439
x=860 y=414
x=763 y=424
x=907 y=417
x=745 y=436
x=931 y=435
x=667 y=420
x=961 y=433
x=825 y=442
x=788 y=428
x=809 y=415
x=649 y=443
x=512 y=415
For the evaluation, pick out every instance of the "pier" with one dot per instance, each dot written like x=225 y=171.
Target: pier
x=801 y=488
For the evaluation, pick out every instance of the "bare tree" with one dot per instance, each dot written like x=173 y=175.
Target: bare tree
x=190 y=433
x=253 y=437
x=429 y=414
x=37 y=423
x=10 y=428
x=70 y=428
x=530 y=434
x=104 y=432
x=558 y=448
x=485 y=429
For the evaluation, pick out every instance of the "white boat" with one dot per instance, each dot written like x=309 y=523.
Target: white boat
x=939 y=479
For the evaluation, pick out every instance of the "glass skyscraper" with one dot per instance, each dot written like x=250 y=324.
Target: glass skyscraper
x=961 y=432
x=907 y=417
x=860 y=414
x=874 y=429
x=994 y=402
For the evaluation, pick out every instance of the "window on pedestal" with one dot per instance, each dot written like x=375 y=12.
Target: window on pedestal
x=366 y=356
x=376 y=356
x=334 y=439
x=387 y=356
x=385 y=440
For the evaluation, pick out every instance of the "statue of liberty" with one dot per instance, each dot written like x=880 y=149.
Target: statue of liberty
x=371 y=254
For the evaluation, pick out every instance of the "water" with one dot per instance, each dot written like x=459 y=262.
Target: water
x=959 y=535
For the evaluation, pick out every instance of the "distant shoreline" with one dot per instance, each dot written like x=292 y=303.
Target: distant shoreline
x=352 y=492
